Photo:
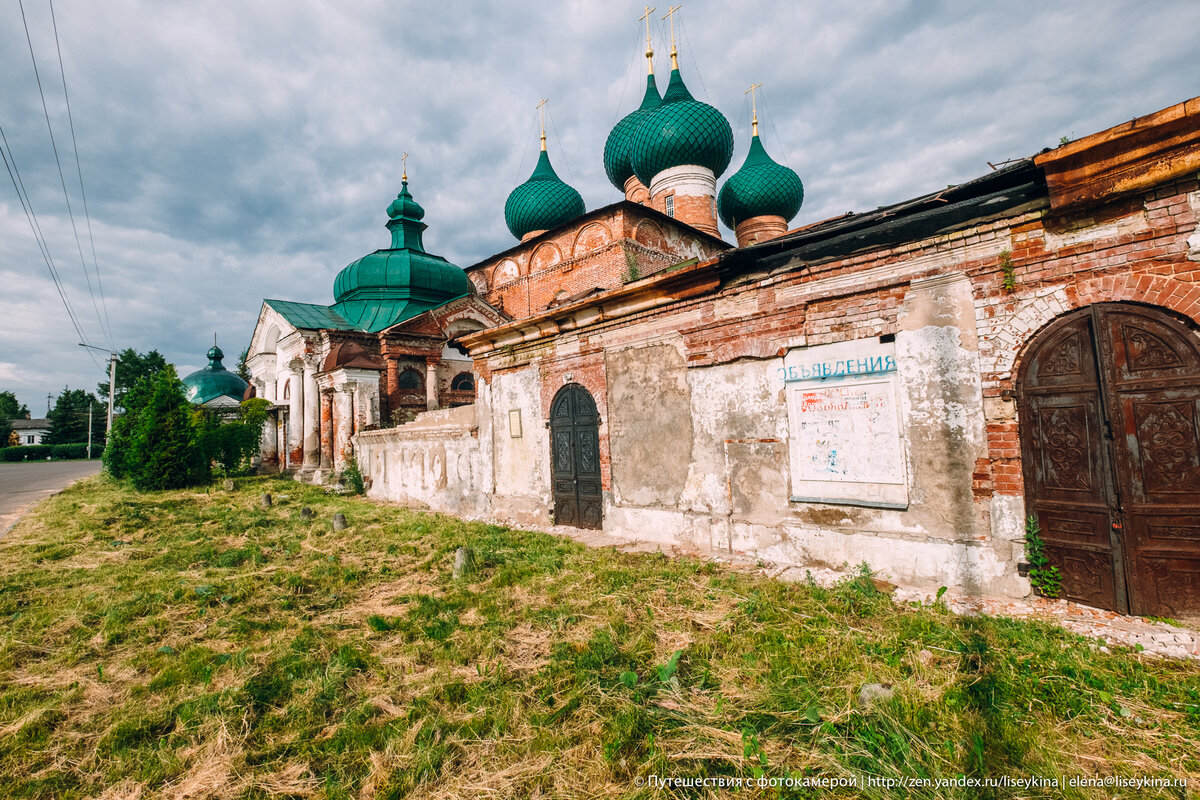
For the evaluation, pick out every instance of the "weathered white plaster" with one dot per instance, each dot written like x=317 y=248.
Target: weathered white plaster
x=430 y=462
x=685 y=181
x=1088 y=233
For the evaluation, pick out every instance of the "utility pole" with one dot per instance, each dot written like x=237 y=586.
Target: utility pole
x=89 y=428
x=112 y=381
x=112 y=389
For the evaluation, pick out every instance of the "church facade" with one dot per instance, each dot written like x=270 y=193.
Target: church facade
x=916 y=388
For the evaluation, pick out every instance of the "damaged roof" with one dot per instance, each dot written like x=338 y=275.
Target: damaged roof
x=1008 y=191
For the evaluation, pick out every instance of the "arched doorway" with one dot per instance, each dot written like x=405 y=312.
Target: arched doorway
x=575 y=458
x=1110 y=443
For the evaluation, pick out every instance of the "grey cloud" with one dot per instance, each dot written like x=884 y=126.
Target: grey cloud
x=239 y=151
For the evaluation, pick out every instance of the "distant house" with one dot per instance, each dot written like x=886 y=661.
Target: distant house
x=31 y=431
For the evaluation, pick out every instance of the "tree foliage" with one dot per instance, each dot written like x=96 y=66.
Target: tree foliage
x=132 y=368
x=243 y=369
x=10 y=409
x=165 y=451
x=69 y=418
x=231 y=442
x=163 y=442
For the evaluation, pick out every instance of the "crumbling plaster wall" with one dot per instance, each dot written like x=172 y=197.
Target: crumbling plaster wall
x=434 y=461
x=700 y=457
x=520 y=464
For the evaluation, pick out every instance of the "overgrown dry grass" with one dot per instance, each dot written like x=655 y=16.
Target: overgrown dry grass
x=194 y=644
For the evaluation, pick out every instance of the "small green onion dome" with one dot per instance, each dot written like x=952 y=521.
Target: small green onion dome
x=542 y=202
x=399 y=276
x=681 y=131
x=214 y=381
x=760 y=188
x=617 y=163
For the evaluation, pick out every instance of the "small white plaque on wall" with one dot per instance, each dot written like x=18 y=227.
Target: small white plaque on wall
x=845 y=441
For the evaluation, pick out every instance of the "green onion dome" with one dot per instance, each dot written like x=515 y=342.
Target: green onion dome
x=760 y=188
x=373 y=290
x=681 y=131
x=214 y=381
x=617 y=163
x=542 y=202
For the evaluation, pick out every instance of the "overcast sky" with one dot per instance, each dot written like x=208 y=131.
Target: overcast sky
x=236 y=151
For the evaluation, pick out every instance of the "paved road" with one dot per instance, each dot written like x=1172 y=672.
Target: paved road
x=22 y=485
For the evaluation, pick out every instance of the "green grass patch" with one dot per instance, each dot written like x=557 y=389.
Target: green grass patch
x=155 y=642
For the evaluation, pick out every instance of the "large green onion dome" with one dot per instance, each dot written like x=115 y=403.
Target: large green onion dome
x=214 y=382
x=381 y=287
x=681 y=131
x=760 y=188
x=542 y=202
x=617 y=163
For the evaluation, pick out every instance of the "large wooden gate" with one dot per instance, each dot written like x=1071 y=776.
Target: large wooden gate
x=575 y=458
x=1110 y=442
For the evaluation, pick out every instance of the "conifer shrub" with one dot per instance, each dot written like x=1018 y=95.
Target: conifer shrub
x=164 y=450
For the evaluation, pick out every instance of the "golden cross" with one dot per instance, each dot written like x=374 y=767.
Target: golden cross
x=404 y=167
x=674 y=54
x=754 y=105
x=649 y=49
x=541 y=107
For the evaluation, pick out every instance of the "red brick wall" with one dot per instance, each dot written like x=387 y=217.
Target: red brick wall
x=1132 y=250
x=605 y=252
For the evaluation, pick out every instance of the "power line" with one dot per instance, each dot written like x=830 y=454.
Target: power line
x=14 y=175
x=58 y=161
x=565 y=160
x=79 y=169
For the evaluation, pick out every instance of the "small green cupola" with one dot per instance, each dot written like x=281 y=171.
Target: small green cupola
x=213 y=385
x=542 y=202
x=388 y=286
x=618 y=164
x=680 y=131
x=761 y=188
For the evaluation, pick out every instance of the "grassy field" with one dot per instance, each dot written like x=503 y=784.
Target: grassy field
x=196 y=644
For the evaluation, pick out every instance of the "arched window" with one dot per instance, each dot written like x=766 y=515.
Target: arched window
x=409 y=380
x=463 y=382
x=287 y=389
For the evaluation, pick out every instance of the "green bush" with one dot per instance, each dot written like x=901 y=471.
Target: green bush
x=72 y=450
x=164 y=449
x=31 y=452
x=39 y=452
x=229 y=442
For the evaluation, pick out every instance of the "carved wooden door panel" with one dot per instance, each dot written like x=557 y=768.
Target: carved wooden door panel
x=1110 y=412
x=1153 y=380
x=1067 y=461
x=575 y=458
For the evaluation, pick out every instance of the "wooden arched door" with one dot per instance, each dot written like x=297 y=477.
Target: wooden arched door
x=1110 y=444
x=575 y=458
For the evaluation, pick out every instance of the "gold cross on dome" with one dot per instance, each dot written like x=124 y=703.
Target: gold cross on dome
x=541 y=107
x=404 y=168
x=674 y=53
x=754 y=105
x=649 y=48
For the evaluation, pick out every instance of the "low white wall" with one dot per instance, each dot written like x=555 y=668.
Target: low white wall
x=433 y=461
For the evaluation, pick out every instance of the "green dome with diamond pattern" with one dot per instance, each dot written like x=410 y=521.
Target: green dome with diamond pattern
x=381 y=287
x=681 y=131
x=542 y=202
x=760 y=188
x=617 y=163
